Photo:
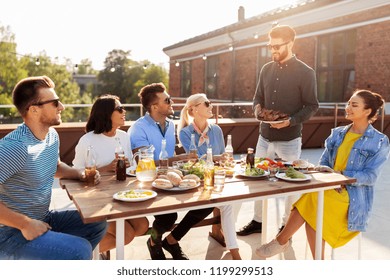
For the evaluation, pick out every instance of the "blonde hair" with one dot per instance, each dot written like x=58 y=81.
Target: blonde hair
x=187 y=113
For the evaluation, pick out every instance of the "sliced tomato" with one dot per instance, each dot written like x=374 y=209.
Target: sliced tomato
x=270 y=161
x=262 y=166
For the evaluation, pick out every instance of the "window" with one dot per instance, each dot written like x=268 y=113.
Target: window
x=263 y=57
x=336 y=66
x=211 y=77
x=185 y=82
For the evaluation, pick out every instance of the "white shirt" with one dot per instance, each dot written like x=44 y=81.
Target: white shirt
x=103 y=147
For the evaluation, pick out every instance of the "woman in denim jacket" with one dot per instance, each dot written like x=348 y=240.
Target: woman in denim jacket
x=357 y=150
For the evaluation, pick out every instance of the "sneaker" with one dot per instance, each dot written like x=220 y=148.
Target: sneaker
x=156 y=252
x=289 y=253
x=174 y=250
x=272 y=248
x=252 y=227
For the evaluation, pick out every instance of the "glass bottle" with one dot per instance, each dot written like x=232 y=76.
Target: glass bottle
x=192 y=149
x=121 y=162
x=90 y=166
x=229 y=147
x=250 y=158
x=229 y=158
x=209 y=170
x=163 y=158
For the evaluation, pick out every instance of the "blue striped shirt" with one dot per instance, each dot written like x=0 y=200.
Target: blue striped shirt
x=27 y=168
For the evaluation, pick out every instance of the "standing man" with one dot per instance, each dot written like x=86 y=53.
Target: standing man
x=288 y=85
x=28 y=163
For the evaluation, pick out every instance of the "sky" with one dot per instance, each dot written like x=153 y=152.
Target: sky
x=80 y=29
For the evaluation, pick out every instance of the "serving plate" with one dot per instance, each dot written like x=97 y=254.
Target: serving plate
x=134 y=195
x=272 y=122
x=175 y=188
x=266 y=173
x=283 y=176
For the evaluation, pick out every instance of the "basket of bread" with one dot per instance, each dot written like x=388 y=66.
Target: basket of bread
x=174 y=180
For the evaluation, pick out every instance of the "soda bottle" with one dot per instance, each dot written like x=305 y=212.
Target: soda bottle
x=192 y=149
x=121 y=163
x=90 y=166
x=163 y=158
x=250 y=158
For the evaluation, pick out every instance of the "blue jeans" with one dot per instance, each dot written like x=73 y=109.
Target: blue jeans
x=286 y=150
x=69 y=239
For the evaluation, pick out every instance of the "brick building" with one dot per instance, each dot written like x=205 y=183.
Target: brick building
x=346 y=42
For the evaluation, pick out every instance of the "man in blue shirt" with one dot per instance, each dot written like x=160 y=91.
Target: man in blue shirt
x=155 y=125
x=29 y=161
x=151 y=129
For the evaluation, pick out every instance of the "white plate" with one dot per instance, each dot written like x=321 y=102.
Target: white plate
x=266 y=173
x=121 y=195
x=271 y=122
x=130 y=172
x=175 y=188
x=284 y=177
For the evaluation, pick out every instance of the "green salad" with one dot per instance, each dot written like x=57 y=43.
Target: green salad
x=254 y=171
x=197 y=168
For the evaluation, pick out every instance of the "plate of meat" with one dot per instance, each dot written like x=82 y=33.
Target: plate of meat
x=271 y=116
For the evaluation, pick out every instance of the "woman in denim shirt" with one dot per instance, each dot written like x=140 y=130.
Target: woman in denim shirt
x=357 y=150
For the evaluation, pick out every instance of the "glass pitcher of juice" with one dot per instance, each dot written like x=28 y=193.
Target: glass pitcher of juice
x=146 y=169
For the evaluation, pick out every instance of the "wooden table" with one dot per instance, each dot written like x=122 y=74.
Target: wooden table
x=96 y=203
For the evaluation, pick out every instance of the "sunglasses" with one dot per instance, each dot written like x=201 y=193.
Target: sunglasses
x=168 y=100
x=277 y=46
x=120 y=109
x=206 y=103
x=56 y=102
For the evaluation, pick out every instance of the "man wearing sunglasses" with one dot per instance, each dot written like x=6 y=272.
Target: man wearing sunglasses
x=288 y=85
x=150 y=130
x=28 y=163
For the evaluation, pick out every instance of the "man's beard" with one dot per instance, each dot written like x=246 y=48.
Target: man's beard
x=280 y=57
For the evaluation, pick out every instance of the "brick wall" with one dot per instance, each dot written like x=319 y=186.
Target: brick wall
x=373 y=59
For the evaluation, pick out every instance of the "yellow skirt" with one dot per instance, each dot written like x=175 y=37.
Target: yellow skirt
x=335 y=225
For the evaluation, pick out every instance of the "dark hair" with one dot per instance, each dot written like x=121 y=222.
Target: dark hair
x=283 y=31
x=373 y=101
x=99 y=120
x=148 y=94
x=26 y=93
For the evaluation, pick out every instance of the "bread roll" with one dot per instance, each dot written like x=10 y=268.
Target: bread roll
x=162 y=177
x=174 y=178
x=188 y=183
x=163 y=184
x=177 y=171
x=192 y=176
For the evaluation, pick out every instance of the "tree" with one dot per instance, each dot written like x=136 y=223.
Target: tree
x=119 y=75
x=125 y=77
x=10 y=68
x=152 y=74
x=66 y=88
x=85 y=68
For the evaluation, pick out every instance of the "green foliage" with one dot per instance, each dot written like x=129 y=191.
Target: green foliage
x=126 y=81
x=125 y=77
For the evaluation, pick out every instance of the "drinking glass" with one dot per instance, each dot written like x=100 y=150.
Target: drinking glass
x=243 y=162
x=272 y=172
x=219 y=180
